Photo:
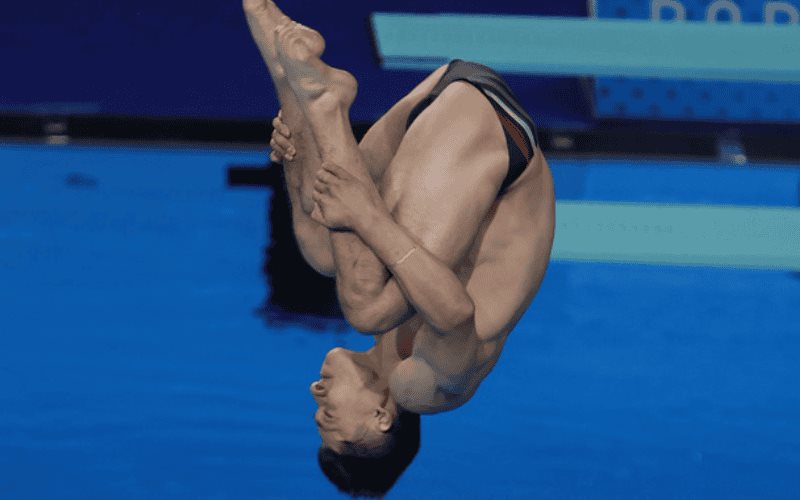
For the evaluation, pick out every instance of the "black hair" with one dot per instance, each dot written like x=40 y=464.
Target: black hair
x=374 y=477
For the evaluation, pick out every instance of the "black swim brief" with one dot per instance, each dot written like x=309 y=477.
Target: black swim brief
x=520 y=131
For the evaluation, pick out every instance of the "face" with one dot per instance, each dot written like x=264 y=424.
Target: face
x=353 y=399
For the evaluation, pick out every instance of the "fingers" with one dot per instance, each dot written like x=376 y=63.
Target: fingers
x=283 y=146
x=316 y=215
x=277 y=154
x=332 y=169
x=338 y=172
x=320 y=199
x=325 y=176
x=279 y=126
x=321 y=187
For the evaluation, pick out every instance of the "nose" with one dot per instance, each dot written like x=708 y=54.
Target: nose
x=318 y=388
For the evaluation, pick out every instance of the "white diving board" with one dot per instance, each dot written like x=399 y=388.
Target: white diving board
x=591 y=47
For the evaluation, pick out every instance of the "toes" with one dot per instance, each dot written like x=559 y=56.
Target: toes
x=283 y=36
x=253 y=6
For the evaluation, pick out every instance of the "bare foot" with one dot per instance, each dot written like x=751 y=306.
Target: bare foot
x=263 y=17
x=314 y=82
x=325 y=95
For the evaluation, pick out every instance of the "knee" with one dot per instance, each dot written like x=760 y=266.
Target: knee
x=363 y=311
x=358 y=311
x=361 y=321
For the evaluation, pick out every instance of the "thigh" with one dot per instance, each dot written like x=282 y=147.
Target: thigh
x=379 y=145
x=444 y=180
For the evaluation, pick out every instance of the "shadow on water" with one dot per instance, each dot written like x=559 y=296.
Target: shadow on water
x=296 y=293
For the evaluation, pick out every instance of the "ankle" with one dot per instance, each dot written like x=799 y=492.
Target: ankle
x=329 y=104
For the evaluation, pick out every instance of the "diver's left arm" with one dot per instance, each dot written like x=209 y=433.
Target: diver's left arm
x=420 y=281
x=429 y=285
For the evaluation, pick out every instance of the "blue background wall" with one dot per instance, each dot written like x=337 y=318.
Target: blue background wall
x=697 y=100
x=196 y=59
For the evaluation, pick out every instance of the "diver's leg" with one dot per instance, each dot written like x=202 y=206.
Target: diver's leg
x=313 y=239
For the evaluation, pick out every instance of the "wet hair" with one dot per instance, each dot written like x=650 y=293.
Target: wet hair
x=374 y=476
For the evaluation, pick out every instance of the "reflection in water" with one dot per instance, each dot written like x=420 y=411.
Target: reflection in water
x=297 y=294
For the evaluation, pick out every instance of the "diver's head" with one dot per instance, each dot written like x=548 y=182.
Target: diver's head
x=356 y=410
x=367 y=439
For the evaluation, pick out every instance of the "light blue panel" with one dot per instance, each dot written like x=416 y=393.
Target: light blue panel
x=599 y=47
x=676 y=182
x=689 y=235
x=670 y=99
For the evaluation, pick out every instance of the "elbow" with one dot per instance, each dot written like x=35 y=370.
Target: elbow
x=361 y=324
x=459 y=317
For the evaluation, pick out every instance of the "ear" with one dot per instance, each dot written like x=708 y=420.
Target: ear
x=384 y=419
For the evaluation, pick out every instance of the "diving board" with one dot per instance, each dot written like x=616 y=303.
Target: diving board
x=591 y=47
x=684 y=235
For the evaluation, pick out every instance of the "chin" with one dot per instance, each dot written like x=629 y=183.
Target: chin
x=335 y=359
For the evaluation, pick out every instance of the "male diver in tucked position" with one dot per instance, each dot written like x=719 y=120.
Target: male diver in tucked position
x=437 y=226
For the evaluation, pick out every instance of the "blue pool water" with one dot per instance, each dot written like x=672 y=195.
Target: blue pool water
x=132 y=364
